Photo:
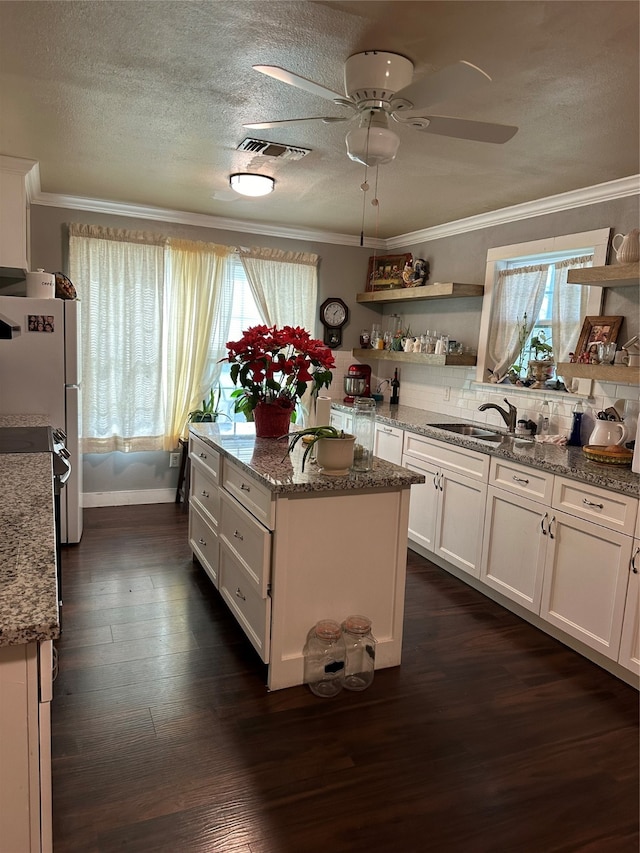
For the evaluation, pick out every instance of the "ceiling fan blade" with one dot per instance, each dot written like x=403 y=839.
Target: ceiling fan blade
x=300 y=82
x=263 y=125
x=460 y=128
x=442 y=85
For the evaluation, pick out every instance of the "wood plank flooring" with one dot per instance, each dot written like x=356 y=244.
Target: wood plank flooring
x=490 y=738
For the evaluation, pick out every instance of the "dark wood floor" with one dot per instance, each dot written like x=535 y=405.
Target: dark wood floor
x=490 y=737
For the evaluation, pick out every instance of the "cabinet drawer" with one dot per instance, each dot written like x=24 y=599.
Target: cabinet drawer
x=617 y=512
x=388 y=443
x=203 y=454
x=204 y=544
x=205 y=494
x=251 y=494
x=468 y=462
x=521 y=480
x=248 y=540
x=252 y=612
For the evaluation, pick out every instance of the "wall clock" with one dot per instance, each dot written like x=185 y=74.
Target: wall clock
x=333 y=316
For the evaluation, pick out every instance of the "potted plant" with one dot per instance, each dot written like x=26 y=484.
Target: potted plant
x=540 y=368
x=210 y=410
x=334 y=447
x=273 y=368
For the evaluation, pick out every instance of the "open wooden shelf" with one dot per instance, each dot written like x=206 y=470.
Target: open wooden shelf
x=604 y=372
x=437 y=290
x=428 y=359
x=612 y=275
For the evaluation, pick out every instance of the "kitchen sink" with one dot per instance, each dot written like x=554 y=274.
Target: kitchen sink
x=472 y=431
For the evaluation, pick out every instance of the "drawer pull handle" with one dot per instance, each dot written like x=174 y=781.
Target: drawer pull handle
x=590 y=503
x=240 y=595
x=542 y=521
x=205 y=494
x=202 y=541
x=634 y=568
x=387 y=430
x=521 y=480
x=238 y=536
x=244 y=488
x=202 y=455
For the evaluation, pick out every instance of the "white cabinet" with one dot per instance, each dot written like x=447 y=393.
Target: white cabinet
x=629 y=655
x=25 y=748
x=388 y=443
x=341 y=420
x=447 y=511
x=516 y=531
x=204 y=506
x=587 y=565
x=14 y=214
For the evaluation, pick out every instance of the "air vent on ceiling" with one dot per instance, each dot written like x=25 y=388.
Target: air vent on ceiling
x=273 y=149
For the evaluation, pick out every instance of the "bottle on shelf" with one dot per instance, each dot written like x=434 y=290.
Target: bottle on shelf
x=576 y=426
x=544 y=419
x=395 y=389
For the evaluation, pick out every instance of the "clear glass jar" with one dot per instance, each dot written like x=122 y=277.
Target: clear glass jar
x=361 y=652
x=364 y=426
x=324 y=659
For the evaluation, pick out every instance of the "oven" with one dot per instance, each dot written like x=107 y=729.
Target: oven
x=43 y=439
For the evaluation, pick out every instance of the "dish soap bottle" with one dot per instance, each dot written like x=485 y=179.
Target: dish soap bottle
x=395 y=389
x=544 y=419
x=574 y=438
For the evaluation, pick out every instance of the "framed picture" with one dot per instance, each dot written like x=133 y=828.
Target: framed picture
x=597 y=330
x=385 y=271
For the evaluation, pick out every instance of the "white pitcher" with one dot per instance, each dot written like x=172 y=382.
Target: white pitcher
x=628 y=249
x=608 y=432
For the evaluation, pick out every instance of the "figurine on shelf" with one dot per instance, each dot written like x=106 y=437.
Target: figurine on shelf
x=415 y=274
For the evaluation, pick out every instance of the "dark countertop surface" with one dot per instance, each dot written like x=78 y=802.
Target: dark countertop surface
x=28 y=586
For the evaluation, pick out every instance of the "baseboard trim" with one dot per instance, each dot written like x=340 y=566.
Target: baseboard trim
x=139 y=496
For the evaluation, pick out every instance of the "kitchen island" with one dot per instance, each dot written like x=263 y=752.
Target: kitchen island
x=286 y=548
x=29 y=622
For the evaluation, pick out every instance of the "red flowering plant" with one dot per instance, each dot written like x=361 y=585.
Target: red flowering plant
x=275 y=365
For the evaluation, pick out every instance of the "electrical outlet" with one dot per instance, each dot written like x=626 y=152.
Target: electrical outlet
x=174 y=460
x=446 y=392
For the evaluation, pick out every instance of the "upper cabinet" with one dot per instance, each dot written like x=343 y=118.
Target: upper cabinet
x=15 y=177
x=612 y=275
x=437 y=290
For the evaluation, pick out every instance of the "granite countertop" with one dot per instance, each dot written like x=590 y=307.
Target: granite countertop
x=563 y=460
x=28 y=586
x=267 y=460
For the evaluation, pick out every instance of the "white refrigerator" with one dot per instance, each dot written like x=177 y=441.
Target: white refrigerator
x=40 y=375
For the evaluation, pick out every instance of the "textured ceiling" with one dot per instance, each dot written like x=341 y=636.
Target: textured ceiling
x=144 y=102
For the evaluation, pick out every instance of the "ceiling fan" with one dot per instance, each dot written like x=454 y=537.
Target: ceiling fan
x=379 y=86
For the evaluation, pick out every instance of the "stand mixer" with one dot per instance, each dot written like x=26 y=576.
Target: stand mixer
x=357 y=382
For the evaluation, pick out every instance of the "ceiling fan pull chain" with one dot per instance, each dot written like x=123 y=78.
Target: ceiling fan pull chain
x=364 y=186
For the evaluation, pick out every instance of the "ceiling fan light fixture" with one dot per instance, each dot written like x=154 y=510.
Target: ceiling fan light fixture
x=250 y=184
x=372 y=146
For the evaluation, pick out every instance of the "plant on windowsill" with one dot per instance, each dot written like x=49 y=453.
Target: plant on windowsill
x=210 y=410
x=541 y=365
x=334 y=450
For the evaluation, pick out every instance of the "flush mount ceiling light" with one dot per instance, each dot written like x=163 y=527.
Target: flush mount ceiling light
x=253 y=185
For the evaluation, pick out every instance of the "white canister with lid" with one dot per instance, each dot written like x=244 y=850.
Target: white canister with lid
x=41 y=285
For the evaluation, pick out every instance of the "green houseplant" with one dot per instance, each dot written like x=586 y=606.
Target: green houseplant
x=334 y=447
x=210 y=410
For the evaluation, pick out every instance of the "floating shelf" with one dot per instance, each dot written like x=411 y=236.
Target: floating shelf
x=605 y=372
x=428 y=359
x=612 y=275
x=437 y=290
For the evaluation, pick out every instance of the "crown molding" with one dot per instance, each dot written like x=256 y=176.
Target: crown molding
x=611 y=190
x=201 y=220
x=620 y=188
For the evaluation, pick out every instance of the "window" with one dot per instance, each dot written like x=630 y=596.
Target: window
x=530 y=278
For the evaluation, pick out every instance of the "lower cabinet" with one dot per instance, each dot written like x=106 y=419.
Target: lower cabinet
x=388 y=443
x=629 y=655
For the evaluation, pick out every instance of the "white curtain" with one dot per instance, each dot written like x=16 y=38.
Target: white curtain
x=120 y=279
x=517 y=292
x=285 y=287
x=569 y=309
x=151 y=309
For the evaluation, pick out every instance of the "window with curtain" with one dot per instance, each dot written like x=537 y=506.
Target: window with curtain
x=156 y=315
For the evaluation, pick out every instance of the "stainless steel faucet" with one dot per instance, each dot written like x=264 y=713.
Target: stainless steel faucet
x=509 y=417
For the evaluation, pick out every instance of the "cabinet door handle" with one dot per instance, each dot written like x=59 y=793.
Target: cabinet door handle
x=240 y=595
x=551 y=534
x=590 y=503
x=440 y=481
x=204 y=494
x=387 y=430
x=521 y=480
x=435 y=480
x=542 y=521
x=634 y=568
x=202 y=541
x=244 y=488
x=239 y=536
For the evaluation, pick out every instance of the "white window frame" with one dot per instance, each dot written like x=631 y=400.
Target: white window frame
x=596 y=241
